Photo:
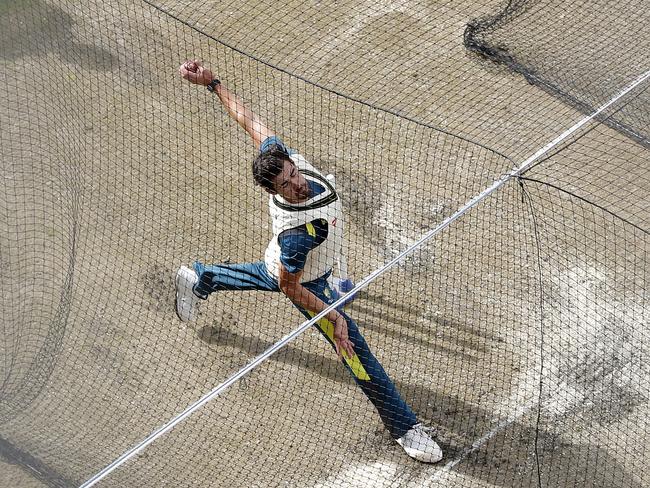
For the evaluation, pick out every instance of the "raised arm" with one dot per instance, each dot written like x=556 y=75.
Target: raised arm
x=196 y=73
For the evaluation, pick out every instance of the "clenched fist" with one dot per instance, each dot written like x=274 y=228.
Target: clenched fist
x=196 y=73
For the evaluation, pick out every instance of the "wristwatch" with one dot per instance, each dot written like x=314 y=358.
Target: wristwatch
x=212 y=86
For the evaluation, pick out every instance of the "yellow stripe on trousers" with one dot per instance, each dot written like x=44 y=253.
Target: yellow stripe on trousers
x=354 y=362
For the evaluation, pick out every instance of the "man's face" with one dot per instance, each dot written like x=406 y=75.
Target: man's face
x=291 y=185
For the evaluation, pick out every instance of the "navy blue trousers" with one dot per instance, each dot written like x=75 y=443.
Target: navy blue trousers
x=364 y=367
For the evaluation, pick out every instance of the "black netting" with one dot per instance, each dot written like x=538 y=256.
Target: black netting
x=518 y=334
x=587 y=52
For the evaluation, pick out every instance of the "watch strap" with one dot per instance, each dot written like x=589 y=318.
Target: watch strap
x=212 y=86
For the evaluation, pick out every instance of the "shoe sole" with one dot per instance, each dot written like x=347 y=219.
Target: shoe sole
x=177 y=286
x=176 y=278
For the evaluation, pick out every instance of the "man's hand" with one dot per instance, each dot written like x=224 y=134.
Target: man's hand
x=341 y=339
x=290 y=285
x=194 y=72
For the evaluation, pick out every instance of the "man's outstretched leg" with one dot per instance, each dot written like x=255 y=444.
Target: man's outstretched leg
x=196 y=283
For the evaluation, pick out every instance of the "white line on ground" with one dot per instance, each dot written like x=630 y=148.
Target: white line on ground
x=478 y=443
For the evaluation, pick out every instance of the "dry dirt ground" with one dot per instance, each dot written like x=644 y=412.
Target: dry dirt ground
x=115 y=172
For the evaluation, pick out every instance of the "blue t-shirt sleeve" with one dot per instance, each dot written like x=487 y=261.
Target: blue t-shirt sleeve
x=296 y=243
x=269 y=141
x=294 y=246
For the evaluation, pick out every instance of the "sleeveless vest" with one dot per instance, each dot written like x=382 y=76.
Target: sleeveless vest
x=285 y=216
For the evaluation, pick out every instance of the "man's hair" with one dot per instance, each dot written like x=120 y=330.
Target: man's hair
x=269 y=164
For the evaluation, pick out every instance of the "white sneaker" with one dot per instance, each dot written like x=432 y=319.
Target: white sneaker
x=186 y=301
x=420 y=446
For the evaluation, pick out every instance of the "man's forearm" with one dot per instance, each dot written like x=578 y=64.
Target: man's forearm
x=244 y=116
x=301 y=296
x=304 y=298
x=196 y=73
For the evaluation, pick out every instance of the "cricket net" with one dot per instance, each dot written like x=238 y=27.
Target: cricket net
x=519 y=332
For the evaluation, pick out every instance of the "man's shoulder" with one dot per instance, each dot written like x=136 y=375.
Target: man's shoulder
x=276 y=141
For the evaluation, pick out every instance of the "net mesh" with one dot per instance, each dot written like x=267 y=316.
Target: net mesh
x=518 y=334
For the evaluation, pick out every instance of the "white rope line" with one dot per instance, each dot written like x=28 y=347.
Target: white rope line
x=365 y=282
